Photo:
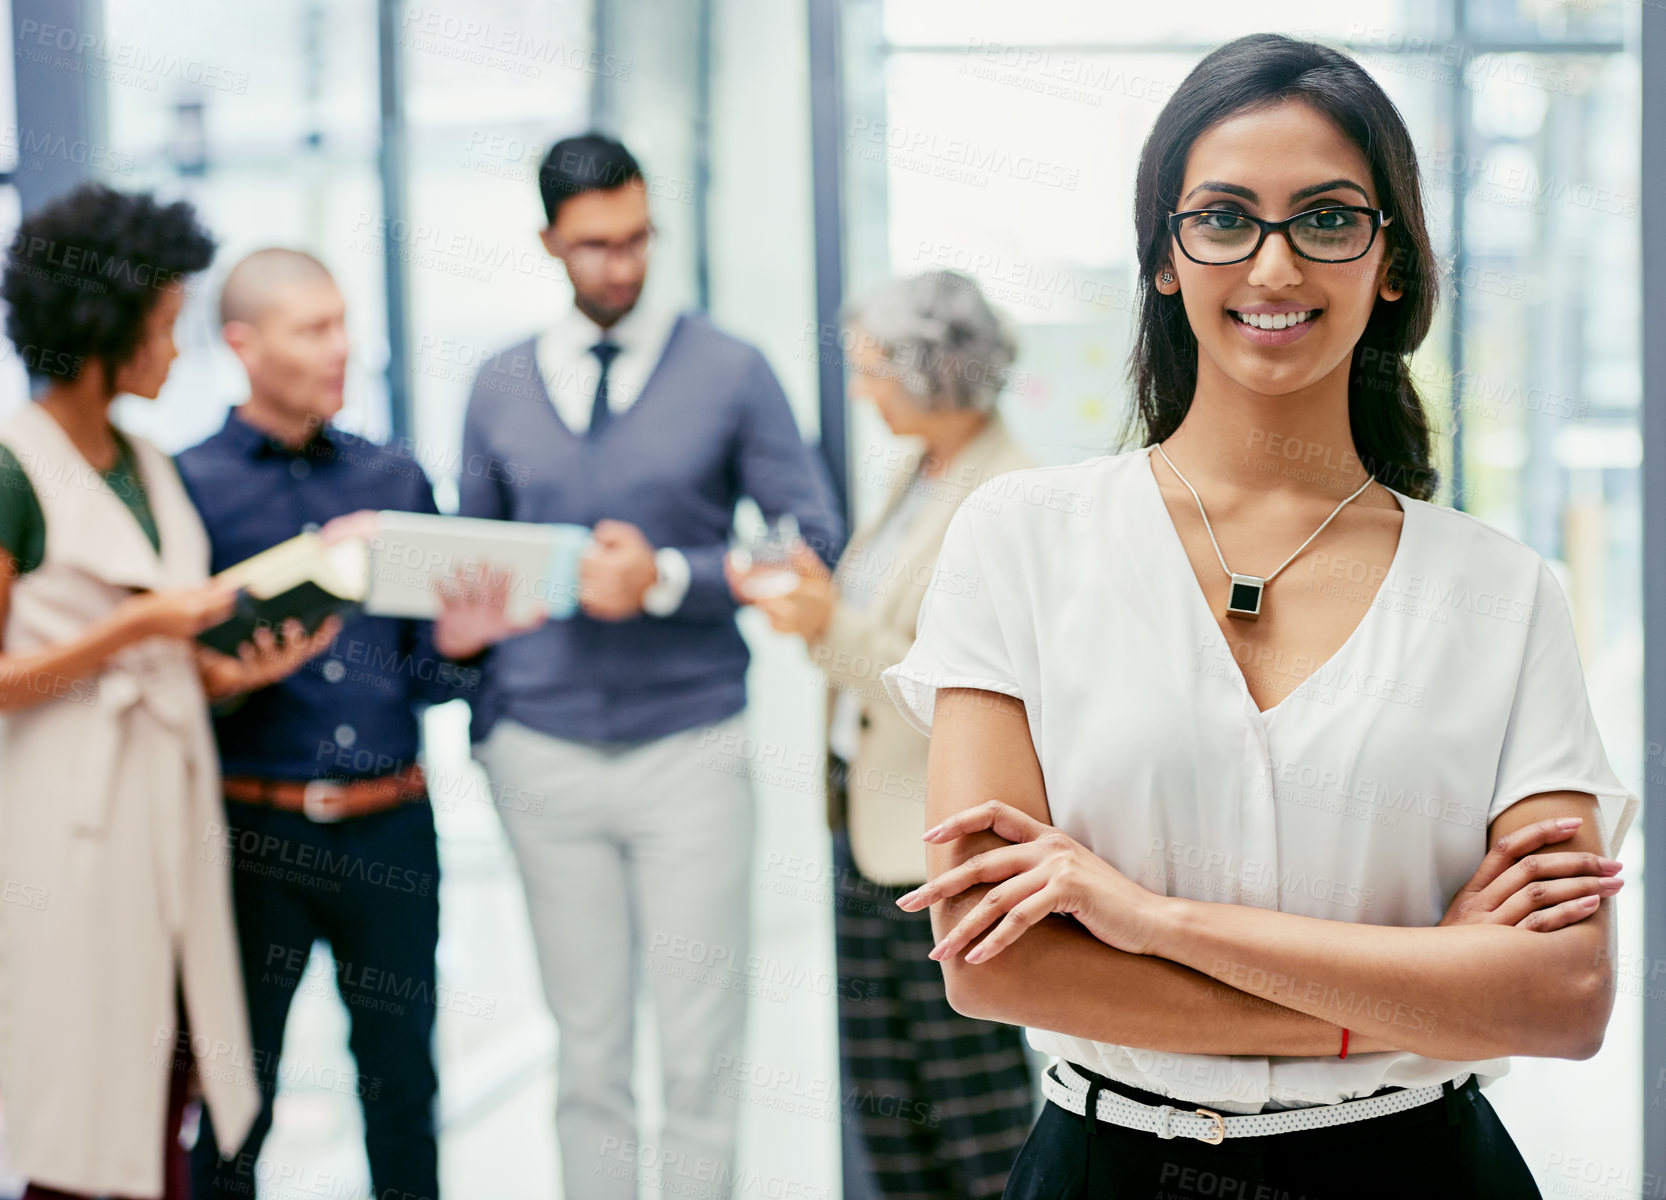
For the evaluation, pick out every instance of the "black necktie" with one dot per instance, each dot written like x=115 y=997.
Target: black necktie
x=605 y=353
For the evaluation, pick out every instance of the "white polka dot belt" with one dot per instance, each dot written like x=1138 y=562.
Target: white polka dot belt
x=1068 y=1090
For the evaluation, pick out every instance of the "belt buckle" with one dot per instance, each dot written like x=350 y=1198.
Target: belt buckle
x=316 y=796
x=1217 y=1135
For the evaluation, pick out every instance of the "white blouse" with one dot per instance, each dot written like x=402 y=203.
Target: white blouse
x=1364 y=795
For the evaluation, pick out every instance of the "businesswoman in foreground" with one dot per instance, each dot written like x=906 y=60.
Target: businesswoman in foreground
x=1240 y=768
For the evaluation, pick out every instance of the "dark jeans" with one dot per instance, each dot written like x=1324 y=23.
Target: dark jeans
x=1454 y=1147
x=370 y=887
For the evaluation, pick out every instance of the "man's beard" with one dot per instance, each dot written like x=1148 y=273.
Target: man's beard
x=601 y=314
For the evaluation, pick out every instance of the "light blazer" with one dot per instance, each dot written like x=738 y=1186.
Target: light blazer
x=113 y=836
x=887 y=785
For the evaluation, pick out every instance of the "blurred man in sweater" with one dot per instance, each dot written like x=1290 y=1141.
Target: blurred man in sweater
x=627 y=720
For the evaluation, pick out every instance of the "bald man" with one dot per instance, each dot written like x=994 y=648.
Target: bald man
x=331 y=830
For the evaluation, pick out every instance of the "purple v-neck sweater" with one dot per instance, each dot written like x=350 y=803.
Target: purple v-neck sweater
x=711 y=425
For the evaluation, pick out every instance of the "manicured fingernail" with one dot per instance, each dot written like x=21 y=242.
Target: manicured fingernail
x=1609 y=866
x=1611 y=885
x=936 y=953
x=932 y=832
x=1589 y=901
x=976 y=956
x=1570 y=823
x=905 y=901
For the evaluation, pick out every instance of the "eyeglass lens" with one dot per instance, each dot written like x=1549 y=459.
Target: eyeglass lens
x=1324 y=234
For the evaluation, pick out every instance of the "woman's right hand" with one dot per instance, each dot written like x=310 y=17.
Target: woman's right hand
x=178 y=613
x=1541 y=892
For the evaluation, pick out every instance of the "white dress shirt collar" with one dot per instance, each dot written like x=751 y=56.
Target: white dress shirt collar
x=644 y=328
x=570 y=371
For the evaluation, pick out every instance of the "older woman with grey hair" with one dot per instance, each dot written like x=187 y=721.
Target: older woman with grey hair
x=941 y=1101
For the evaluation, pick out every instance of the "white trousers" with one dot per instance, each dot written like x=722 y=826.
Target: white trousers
x=635 y=859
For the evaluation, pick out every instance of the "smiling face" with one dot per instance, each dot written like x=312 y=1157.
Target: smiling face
x=1277 y=323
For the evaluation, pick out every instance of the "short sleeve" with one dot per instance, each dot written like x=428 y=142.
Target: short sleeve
x=22 y=524
x=1551 y=743
x=962 y=638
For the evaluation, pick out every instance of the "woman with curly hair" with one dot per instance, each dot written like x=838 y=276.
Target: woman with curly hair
x=1265 y=791
x=109 y=787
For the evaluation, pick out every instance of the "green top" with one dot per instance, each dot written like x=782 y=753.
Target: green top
x=23 y=524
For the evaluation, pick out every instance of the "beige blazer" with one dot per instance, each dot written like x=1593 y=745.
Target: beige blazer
x=111 y=828
x=887 y=785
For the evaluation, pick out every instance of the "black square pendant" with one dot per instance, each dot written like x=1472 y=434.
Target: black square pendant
x=1243 y=599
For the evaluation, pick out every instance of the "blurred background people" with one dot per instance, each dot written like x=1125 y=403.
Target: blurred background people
x=626 y=720
x=941 y=1102
x=332 y=833
x=109 y=789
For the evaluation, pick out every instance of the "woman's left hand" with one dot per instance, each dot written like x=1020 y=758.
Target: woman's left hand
x=1044 y=871
x=807 y=609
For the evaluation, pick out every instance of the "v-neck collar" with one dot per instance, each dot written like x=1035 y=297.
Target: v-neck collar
x=1170 y=536
x=537 y=372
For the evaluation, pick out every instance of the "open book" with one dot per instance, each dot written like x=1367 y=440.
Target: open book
x=394 y=573
x=301 y=578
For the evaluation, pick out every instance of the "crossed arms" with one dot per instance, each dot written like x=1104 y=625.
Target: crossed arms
x=1519 y=965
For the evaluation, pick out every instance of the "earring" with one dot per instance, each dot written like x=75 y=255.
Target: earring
x=1168 y=277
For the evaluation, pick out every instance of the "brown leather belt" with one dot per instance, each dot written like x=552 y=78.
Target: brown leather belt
x=327 y=799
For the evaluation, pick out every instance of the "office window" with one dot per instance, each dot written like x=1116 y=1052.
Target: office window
x=488 y=87
x=265 y=118
x=14 y=376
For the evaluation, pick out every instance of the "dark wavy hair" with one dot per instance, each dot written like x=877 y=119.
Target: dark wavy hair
x=85 y=270
x=1390 y=427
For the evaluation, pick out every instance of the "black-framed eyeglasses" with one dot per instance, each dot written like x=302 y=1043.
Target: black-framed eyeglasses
x=1218 y=237
x=596 y=253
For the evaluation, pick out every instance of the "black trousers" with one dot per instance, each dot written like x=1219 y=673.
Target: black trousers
x=1454 y=1148
x=370 y=887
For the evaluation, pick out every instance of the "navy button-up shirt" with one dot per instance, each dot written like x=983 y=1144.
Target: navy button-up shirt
x=352 y=711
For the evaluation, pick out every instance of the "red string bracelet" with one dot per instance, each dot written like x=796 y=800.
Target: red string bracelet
x=1344 y=1053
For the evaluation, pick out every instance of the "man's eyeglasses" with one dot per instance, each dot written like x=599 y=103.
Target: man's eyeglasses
x=592 y=254
x=1217 y=237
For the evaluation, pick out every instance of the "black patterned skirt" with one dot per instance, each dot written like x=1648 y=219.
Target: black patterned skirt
x=942 y=1102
